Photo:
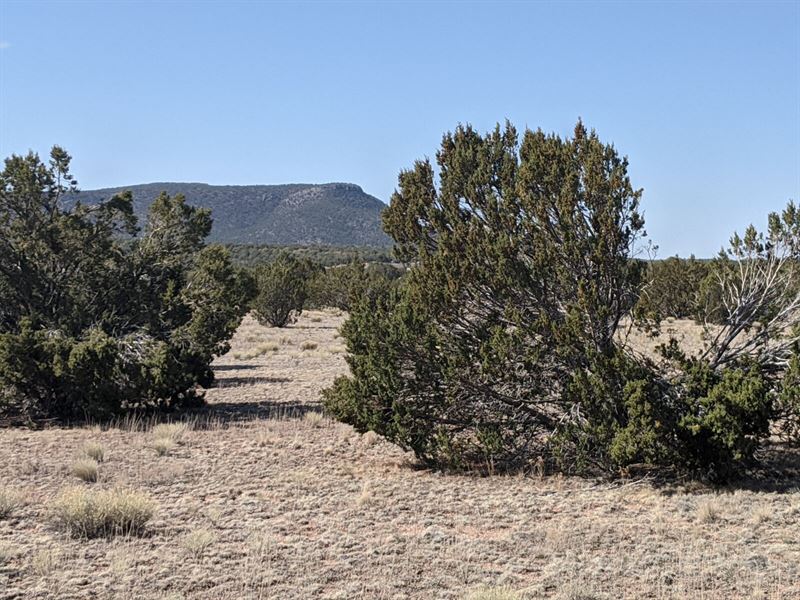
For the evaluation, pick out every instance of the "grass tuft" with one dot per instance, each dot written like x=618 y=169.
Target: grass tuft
x=314 y=418
x=170 y=431
x=709 y=511
x=95 y=451
x=494 y=593
x=89 y=514
x=198 y=541
x=163 y=446
x=10 y=500
x=85 y=469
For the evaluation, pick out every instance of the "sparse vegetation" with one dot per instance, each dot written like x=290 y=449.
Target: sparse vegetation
x=45 y=562
x=305 y=510
x=86 y=513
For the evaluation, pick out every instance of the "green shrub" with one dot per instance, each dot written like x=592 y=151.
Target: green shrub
x=281 y=290
x=97 y=317
x=672 y=288
x=500 y=346
x=341 y=286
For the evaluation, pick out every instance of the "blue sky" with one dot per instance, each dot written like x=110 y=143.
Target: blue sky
x=704 y=98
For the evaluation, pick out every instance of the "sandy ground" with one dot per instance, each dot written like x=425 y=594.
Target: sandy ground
x=264 y=498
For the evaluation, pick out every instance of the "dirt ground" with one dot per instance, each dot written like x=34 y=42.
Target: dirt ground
x=265 y=498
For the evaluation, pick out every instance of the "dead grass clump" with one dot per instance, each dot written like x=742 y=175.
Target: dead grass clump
x=89 y=514
x=95 y=451
x=7 y=553
x=308 y=345
x=85 y=469
x=370 y=438
x=365 y=497
x=314 y=418
x=197 y=541
x=709 y=511
x=163 y=446
x=494 y=593
x=170 y=431
x=259 y=350
x=45 y=562
x=762 y=514
x=10 y=500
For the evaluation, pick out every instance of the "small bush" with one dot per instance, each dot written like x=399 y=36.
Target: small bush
x=308 y=346
x=85 y=469
x=94 y=450
x=10 y=500
x=87 y=513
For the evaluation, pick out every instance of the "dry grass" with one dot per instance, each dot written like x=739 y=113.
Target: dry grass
x=710 y=511
x=7 y=554
x=314 y=418
x=95 y=451
x=90 y=514
x=259 y=350
x=10 y=501
x=174 y=432
x=85 y=469
x=45 y=562
x=297 y=508
x=198 y=541
x=164 y=446
x=497 y=593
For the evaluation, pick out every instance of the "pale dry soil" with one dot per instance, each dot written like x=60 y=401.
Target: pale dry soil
x=260 y=501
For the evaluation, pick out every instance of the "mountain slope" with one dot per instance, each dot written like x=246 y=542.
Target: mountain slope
x=331 y=213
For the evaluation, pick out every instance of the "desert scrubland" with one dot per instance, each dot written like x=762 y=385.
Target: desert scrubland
x=259 y=495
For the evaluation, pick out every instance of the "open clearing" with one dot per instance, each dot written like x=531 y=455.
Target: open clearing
x=264 y=498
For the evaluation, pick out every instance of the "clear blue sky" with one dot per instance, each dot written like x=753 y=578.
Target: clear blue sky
x=703 y=98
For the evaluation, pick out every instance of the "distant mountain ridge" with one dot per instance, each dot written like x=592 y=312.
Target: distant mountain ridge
x=339 y=214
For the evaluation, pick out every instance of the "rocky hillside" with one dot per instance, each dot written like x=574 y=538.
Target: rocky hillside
x=338 y=214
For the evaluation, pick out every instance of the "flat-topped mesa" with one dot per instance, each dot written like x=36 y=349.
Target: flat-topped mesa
x=335 y=213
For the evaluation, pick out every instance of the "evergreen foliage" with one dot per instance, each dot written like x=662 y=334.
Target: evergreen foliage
x=95 y=319
x=501 y=346
x=282 y=289
x=341 y=286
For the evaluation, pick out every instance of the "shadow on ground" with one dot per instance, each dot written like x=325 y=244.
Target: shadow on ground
x=224 y=382
x=237 y=412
